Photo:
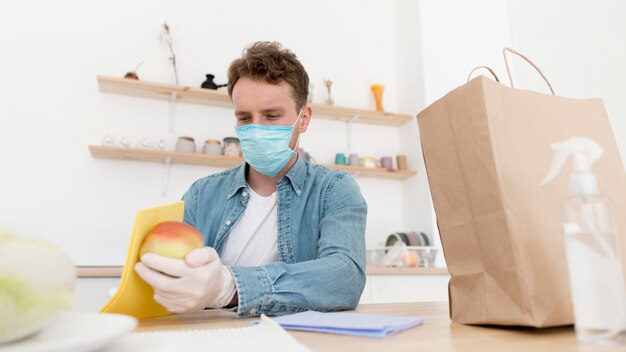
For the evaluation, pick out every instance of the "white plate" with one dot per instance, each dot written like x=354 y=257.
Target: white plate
x=75 y=332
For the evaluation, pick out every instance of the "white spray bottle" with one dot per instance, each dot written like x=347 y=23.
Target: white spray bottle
x=595 y=268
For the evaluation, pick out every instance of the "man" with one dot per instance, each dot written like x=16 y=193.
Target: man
x=290 y=235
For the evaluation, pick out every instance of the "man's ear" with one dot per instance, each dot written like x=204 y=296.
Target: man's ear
x=305 y=118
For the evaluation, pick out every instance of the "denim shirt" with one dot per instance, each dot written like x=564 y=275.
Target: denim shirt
x=321 y=238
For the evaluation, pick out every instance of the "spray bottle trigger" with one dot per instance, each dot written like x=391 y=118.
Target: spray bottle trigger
x=560 y=157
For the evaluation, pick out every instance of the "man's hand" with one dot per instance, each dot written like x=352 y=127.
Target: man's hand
x=181 y=286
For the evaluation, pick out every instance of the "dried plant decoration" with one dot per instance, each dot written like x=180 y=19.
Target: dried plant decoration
x=328 y=83
x=167 y=37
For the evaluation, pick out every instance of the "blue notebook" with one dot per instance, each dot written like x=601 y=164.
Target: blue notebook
x=347 y=323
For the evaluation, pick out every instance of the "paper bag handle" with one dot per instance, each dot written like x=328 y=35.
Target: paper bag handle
x=508 y=70
x=485 y=67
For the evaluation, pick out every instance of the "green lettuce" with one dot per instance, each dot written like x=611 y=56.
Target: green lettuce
x=32 y=290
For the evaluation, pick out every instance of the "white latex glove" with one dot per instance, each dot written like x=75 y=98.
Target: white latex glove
x=197 y=282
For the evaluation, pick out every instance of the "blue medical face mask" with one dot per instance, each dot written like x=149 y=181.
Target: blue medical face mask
x=266 y=148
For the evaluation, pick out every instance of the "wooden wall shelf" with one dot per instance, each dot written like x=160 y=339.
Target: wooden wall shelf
x=149 y=155
x=103 y=152
x=372 y=171
x=162 y=91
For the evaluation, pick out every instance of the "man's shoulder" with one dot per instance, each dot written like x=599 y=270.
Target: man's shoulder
x=322 y=172
x=334 y=186
x=326 y=177
x=221 y=180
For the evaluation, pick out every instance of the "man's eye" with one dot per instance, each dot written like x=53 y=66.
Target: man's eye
x=272 y=116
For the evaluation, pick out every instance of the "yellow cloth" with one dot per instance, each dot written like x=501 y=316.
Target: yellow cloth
x=134 y=296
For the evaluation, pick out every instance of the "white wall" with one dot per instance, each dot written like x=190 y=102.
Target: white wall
x=455 y=36
x=458 y=36
x=580 y=46
x=408 y=55
x=51 y=108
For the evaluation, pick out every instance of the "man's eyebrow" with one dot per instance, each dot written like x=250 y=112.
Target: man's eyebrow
x=242 y=113
x=273 y=109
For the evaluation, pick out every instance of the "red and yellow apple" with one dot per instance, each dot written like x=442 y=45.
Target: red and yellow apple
x=171 y=239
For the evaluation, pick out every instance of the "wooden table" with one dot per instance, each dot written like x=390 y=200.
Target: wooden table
x=436 y=334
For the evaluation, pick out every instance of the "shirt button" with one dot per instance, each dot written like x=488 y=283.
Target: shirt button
x=227 y=222
x=253 y=311
x=245 y=194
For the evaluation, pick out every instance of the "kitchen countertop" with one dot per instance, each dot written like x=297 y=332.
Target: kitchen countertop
x=116 y=271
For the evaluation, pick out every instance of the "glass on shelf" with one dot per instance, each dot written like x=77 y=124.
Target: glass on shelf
x=144 y=143
x=108 y=140
x=125 y=142
x=160 y=144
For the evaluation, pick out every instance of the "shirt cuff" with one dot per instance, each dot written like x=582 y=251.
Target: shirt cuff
x=254 y=289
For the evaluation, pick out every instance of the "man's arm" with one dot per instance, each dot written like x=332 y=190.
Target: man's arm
x=191 y=203
x=334 y=281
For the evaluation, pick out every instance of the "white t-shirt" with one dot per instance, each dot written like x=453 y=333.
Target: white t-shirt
x=253 y=240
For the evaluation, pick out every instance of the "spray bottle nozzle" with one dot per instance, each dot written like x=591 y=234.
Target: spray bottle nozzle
x=584 y=153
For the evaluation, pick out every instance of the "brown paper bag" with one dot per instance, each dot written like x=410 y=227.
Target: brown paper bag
x=487 y=148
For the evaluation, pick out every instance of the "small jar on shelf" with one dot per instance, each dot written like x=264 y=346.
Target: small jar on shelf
x=232 y=147
x=212 y=147
x=185 y=145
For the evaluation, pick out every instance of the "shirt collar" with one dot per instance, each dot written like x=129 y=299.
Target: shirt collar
x=239 y=181
x=296 y=176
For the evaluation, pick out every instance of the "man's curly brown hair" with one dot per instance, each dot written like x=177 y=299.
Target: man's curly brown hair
x=271 y=62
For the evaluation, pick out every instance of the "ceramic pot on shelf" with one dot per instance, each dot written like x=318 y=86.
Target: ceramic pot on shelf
x=185 y=145
x=368 y=161
x=232 y=147
x=212 y=147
